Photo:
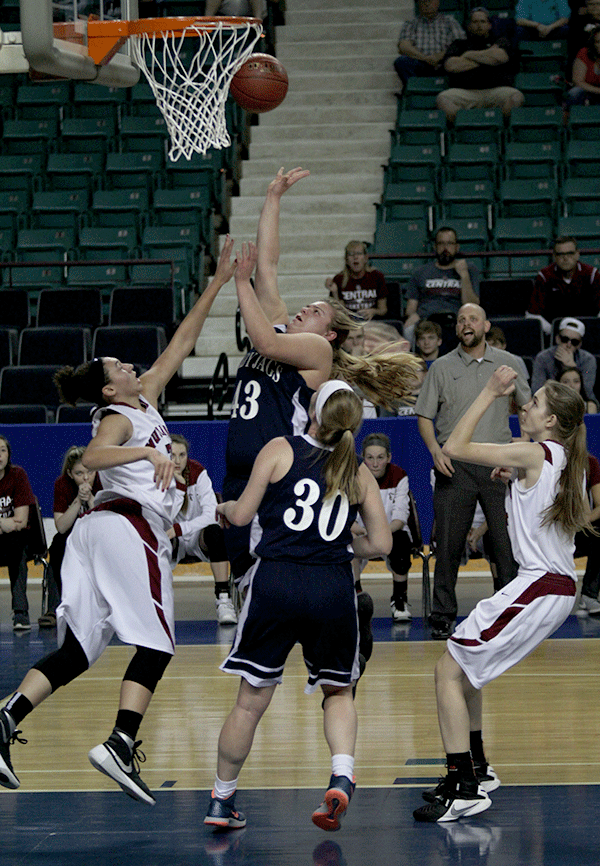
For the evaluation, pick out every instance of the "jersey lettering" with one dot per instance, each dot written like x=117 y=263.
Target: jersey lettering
x=302 y=515
x=249 y=407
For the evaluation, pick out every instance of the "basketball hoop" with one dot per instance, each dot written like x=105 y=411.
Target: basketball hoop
x=190 y=91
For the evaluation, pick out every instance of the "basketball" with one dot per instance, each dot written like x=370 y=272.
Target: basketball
x=260 y=84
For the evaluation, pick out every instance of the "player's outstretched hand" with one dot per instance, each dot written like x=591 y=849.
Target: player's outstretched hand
x=245 y=261
x=225 y=267
x=502 y=381
x=283 y=181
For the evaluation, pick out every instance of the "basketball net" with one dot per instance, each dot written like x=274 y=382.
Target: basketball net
x=191 y=93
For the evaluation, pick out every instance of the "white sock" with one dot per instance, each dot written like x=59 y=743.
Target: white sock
x=224 y=790
x=343 y=765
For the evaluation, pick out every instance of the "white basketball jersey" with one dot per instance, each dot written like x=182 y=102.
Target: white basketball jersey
x=539 y=549
x=136 y=480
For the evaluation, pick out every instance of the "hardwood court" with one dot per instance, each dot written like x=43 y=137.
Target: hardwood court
x=540 y=730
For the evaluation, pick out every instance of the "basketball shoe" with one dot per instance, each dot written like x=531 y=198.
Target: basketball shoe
x=400 y=612
x=484 y=773
x=226 y=614
x=222 y=813
x=8 y=735
x=337 y=796
x=459 y=801
x=117 y=759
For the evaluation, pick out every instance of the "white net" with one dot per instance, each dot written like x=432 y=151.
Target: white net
x=190 y=73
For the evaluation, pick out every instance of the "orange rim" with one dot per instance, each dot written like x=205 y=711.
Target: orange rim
x=105 y=38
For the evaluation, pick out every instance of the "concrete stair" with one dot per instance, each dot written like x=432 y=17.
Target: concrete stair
x=334 y=121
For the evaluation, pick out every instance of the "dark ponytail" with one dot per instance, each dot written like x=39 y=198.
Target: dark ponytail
x=84 y=383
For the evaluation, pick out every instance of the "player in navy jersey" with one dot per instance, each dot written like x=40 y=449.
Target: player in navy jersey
x=290 y=359
x=116 y=571
x=545 y=506
x=306 y=491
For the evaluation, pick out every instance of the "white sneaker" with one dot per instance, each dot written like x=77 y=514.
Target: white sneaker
x=226 y=614
x=588 y=606
x=402 y=613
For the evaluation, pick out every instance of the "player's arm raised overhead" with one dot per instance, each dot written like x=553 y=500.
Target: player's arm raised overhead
x=184 y=339
x=267 y=243
x=310 y=353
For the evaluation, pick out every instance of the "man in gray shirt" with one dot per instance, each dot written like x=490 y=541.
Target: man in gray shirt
x=451 y=385
x=565 y=355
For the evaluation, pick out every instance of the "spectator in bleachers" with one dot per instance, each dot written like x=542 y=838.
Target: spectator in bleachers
x=542 y=19
x=359 y=287
x=423 y=41
x=566 y=354
x=588 y=545
x=437 y=290
x=581 y=23
x=16 y=497
x=480 y=70
x=428 y=340
x=573 y=378
x=245 y=8
x=586 y=73
x=567 y=287
x=406 y=406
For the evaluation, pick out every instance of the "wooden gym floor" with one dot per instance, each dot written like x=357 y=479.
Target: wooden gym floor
x=541 y=725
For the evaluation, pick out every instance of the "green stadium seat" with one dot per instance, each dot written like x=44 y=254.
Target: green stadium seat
x=112 y=242
x=420 y=126
x=73 y=171
x=539 y=88
x=43 y=100
x=14 y=205
x=29 y=136
x=407 y=201
x=414 y=162
x=585 y=228
x=103 y=276
x=120 y=208
x=472 y=162
x=58 y=208
x=582 y=159
x=421 y=92
x=98 y=101
x=462 y=199
x=142 y=102
x=536 y=123
x=517 y=266
x=143 y=134
x=528 y=198
x=532 y=161
x=44 y=243
x=522 y=233
x=584 y=123
x=543 y=56
x=579 y=197
x=88 y=134
x=133 y=170
x=183 y=206
x=401 y=236
x=21 y=172
x=478 y=126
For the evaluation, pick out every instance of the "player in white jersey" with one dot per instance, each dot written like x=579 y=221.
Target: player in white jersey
x=116 y=571
x=546 y=505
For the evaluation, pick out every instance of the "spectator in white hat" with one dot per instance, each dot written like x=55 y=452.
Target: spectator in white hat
x=567 y=353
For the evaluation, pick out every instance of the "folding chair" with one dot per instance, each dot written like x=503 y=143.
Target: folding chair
x=418 y=549
x=37 y=547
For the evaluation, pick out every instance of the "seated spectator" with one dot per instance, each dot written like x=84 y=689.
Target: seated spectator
x=581 y=23
x=428 y=339
x=245 y=8
x=16 y=496
x=586 y=74
x=567 y=287
x=542 y=19
x=393 y=486
x=566 y=354
x=588 y=545
x=480 y=70
x=497 y=339
x=74 y=492
x=573 y=378
x=371 y=337
x=436 y=291
x=359 y=287
x=196 y=532
x=423 y=41
x=406 y=406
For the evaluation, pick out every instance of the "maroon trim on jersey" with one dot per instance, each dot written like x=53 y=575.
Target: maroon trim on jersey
x=548 y=584
x=196 y=469
x=392 y=477
x=547 y=453
x=132 y=510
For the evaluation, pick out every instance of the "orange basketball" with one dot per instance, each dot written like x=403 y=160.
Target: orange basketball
x=260 y=84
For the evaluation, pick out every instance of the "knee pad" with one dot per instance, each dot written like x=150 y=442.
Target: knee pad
x=213 y=543
x=147 y=667
x=65 y=664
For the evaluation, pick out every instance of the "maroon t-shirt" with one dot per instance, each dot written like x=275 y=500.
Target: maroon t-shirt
x=362 y=293
x=15 y=490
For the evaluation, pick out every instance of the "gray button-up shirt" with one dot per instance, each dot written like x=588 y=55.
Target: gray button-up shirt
x=455 y=380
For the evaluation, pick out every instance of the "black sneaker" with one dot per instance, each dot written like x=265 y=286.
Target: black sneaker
x=466 y=800
x=222 y=813
x=8 y=735
x=365 y=616
x=441 y=629
x=116 y=759
x=337 y=796
x=484 y=773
